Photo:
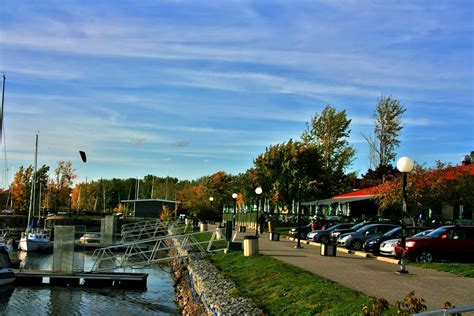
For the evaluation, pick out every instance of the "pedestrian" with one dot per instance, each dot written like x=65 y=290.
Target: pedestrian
x=314 y=224
x=261 y=222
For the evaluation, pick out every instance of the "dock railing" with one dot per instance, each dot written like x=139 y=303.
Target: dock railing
x=141 y=252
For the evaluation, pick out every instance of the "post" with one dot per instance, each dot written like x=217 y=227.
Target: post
x=258 y=191
x=298 y=245
x=404 y=165
x=403 y=230
x=234 y=196
x=256 y=220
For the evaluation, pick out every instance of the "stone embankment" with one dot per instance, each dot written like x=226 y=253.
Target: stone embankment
x=202 y=289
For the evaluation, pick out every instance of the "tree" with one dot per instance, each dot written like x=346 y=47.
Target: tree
x=285 y=168
x=428 y=188
x=387 y=120
x=64 y=174
x=329 y=132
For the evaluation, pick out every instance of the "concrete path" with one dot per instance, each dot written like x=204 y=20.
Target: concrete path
x=372 y=277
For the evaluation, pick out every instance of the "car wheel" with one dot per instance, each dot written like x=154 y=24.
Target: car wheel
x=424 y=256
x=324 y=239
x=356 y=245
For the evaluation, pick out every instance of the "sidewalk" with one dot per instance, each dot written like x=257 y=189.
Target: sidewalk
x=372 y=277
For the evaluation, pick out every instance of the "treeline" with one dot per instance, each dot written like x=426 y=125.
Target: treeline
x=311 y=167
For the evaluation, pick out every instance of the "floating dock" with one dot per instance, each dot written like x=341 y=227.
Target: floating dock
x=136 y=281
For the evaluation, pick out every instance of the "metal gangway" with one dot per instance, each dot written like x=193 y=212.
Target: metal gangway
x=144 y=230
x=156 y=248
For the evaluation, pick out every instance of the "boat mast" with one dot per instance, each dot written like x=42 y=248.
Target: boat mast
x=33 y=187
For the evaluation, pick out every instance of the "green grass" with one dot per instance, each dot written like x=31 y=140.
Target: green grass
x=461 y=269
x=204 y=238
x=280 y=289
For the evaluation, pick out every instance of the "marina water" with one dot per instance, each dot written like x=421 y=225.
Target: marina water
x=158 y=299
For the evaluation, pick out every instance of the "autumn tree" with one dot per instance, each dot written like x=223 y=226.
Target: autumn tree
x=329 y=132
x=285 y=169
x=428 y=188
x=60 y=189
x=387 y=126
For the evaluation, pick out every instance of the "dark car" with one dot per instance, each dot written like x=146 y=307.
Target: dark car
x=301 y=231
x=355 y=240
x=337 y=232
x=323 y=236
x=445 y=242
x=373 y=244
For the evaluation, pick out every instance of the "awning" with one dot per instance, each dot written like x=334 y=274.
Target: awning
x=338 y=200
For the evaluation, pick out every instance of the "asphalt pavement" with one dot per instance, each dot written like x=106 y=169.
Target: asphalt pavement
x=370 y=276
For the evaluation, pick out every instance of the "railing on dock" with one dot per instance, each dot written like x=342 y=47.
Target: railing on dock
x=155 y=249
x=144 y=230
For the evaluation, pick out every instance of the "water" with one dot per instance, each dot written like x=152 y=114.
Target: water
x=46 y=300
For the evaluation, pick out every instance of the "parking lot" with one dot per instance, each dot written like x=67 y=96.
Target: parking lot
x=373 y=277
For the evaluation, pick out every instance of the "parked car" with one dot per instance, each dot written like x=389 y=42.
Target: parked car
x=304 y=230
x=323 y=236
x=387 y=248
x=373 y=244
x=355 y=240
x=301 y=231
x=337 y=232
x=89 y=238
x=445 y=242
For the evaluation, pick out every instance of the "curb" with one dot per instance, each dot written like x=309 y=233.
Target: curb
x=388 y=260
x=348 y=251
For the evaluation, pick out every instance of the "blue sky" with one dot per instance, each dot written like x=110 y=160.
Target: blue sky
x=188 y=88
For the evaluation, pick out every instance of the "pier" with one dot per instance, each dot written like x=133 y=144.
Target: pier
x=136 y=281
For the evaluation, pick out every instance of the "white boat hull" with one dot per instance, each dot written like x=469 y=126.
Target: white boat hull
x=33 y=243
x=6 y=276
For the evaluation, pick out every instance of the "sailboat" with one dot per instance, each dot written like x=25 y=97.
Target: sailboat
x=6 y=273
x=34 y=239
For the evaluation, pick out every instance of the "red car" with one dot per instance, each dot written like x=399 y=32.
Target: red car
x=446 y=242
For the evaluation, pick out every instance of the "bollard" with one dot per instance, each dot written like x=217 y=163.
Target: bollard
x=274 y=236
x=328 y=249
x=250 y=246
x=242 y=229
x=203 y=227
x=271 y=227
x=219 y=234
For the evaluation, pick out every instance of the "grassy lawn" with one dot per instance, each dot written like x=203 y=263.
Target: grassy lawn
x=281 y=289
x=461 y=269
x=203 y=239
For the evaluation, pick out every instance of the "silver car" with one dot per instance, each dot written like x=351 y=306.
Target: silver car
x=387 y=248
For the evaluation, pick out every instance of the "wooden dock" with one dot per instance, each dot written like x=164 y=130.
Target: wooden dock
x=137 y=281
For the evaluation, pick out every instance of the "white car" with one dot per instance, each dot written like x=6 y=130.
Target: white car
x=89 y=238
x=387 y=248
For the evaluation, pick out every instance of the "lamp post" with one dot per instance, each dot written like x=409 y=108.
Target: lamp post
x=404 y=165
x=70 y=204
x=234 y=196
x=298 y=245
x=258 y=191
x=211 y=199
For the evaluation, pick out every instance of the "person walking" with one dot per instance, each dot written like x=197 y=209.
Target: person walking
x=261 y=223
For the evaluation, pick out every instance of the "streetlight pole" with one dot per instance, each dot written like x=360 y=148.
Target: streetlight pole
x=298 y=245
x=70 y=204
x=404 y=165
x=234 y=196
x=258 y=191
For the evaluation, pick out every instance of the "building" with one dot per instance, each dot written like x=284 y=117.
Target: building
x=362 y=203
x=150 y=208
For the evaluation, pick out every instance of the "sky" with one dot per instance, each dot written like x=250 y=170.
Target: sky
x=189 y=88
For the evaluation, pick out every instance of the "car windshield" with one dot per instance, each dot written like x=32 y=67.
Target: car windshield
x=423 y=233
x=392 y=232
x=335 y=227
x=357 y=226
x=363 y=229
x=437 y=232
